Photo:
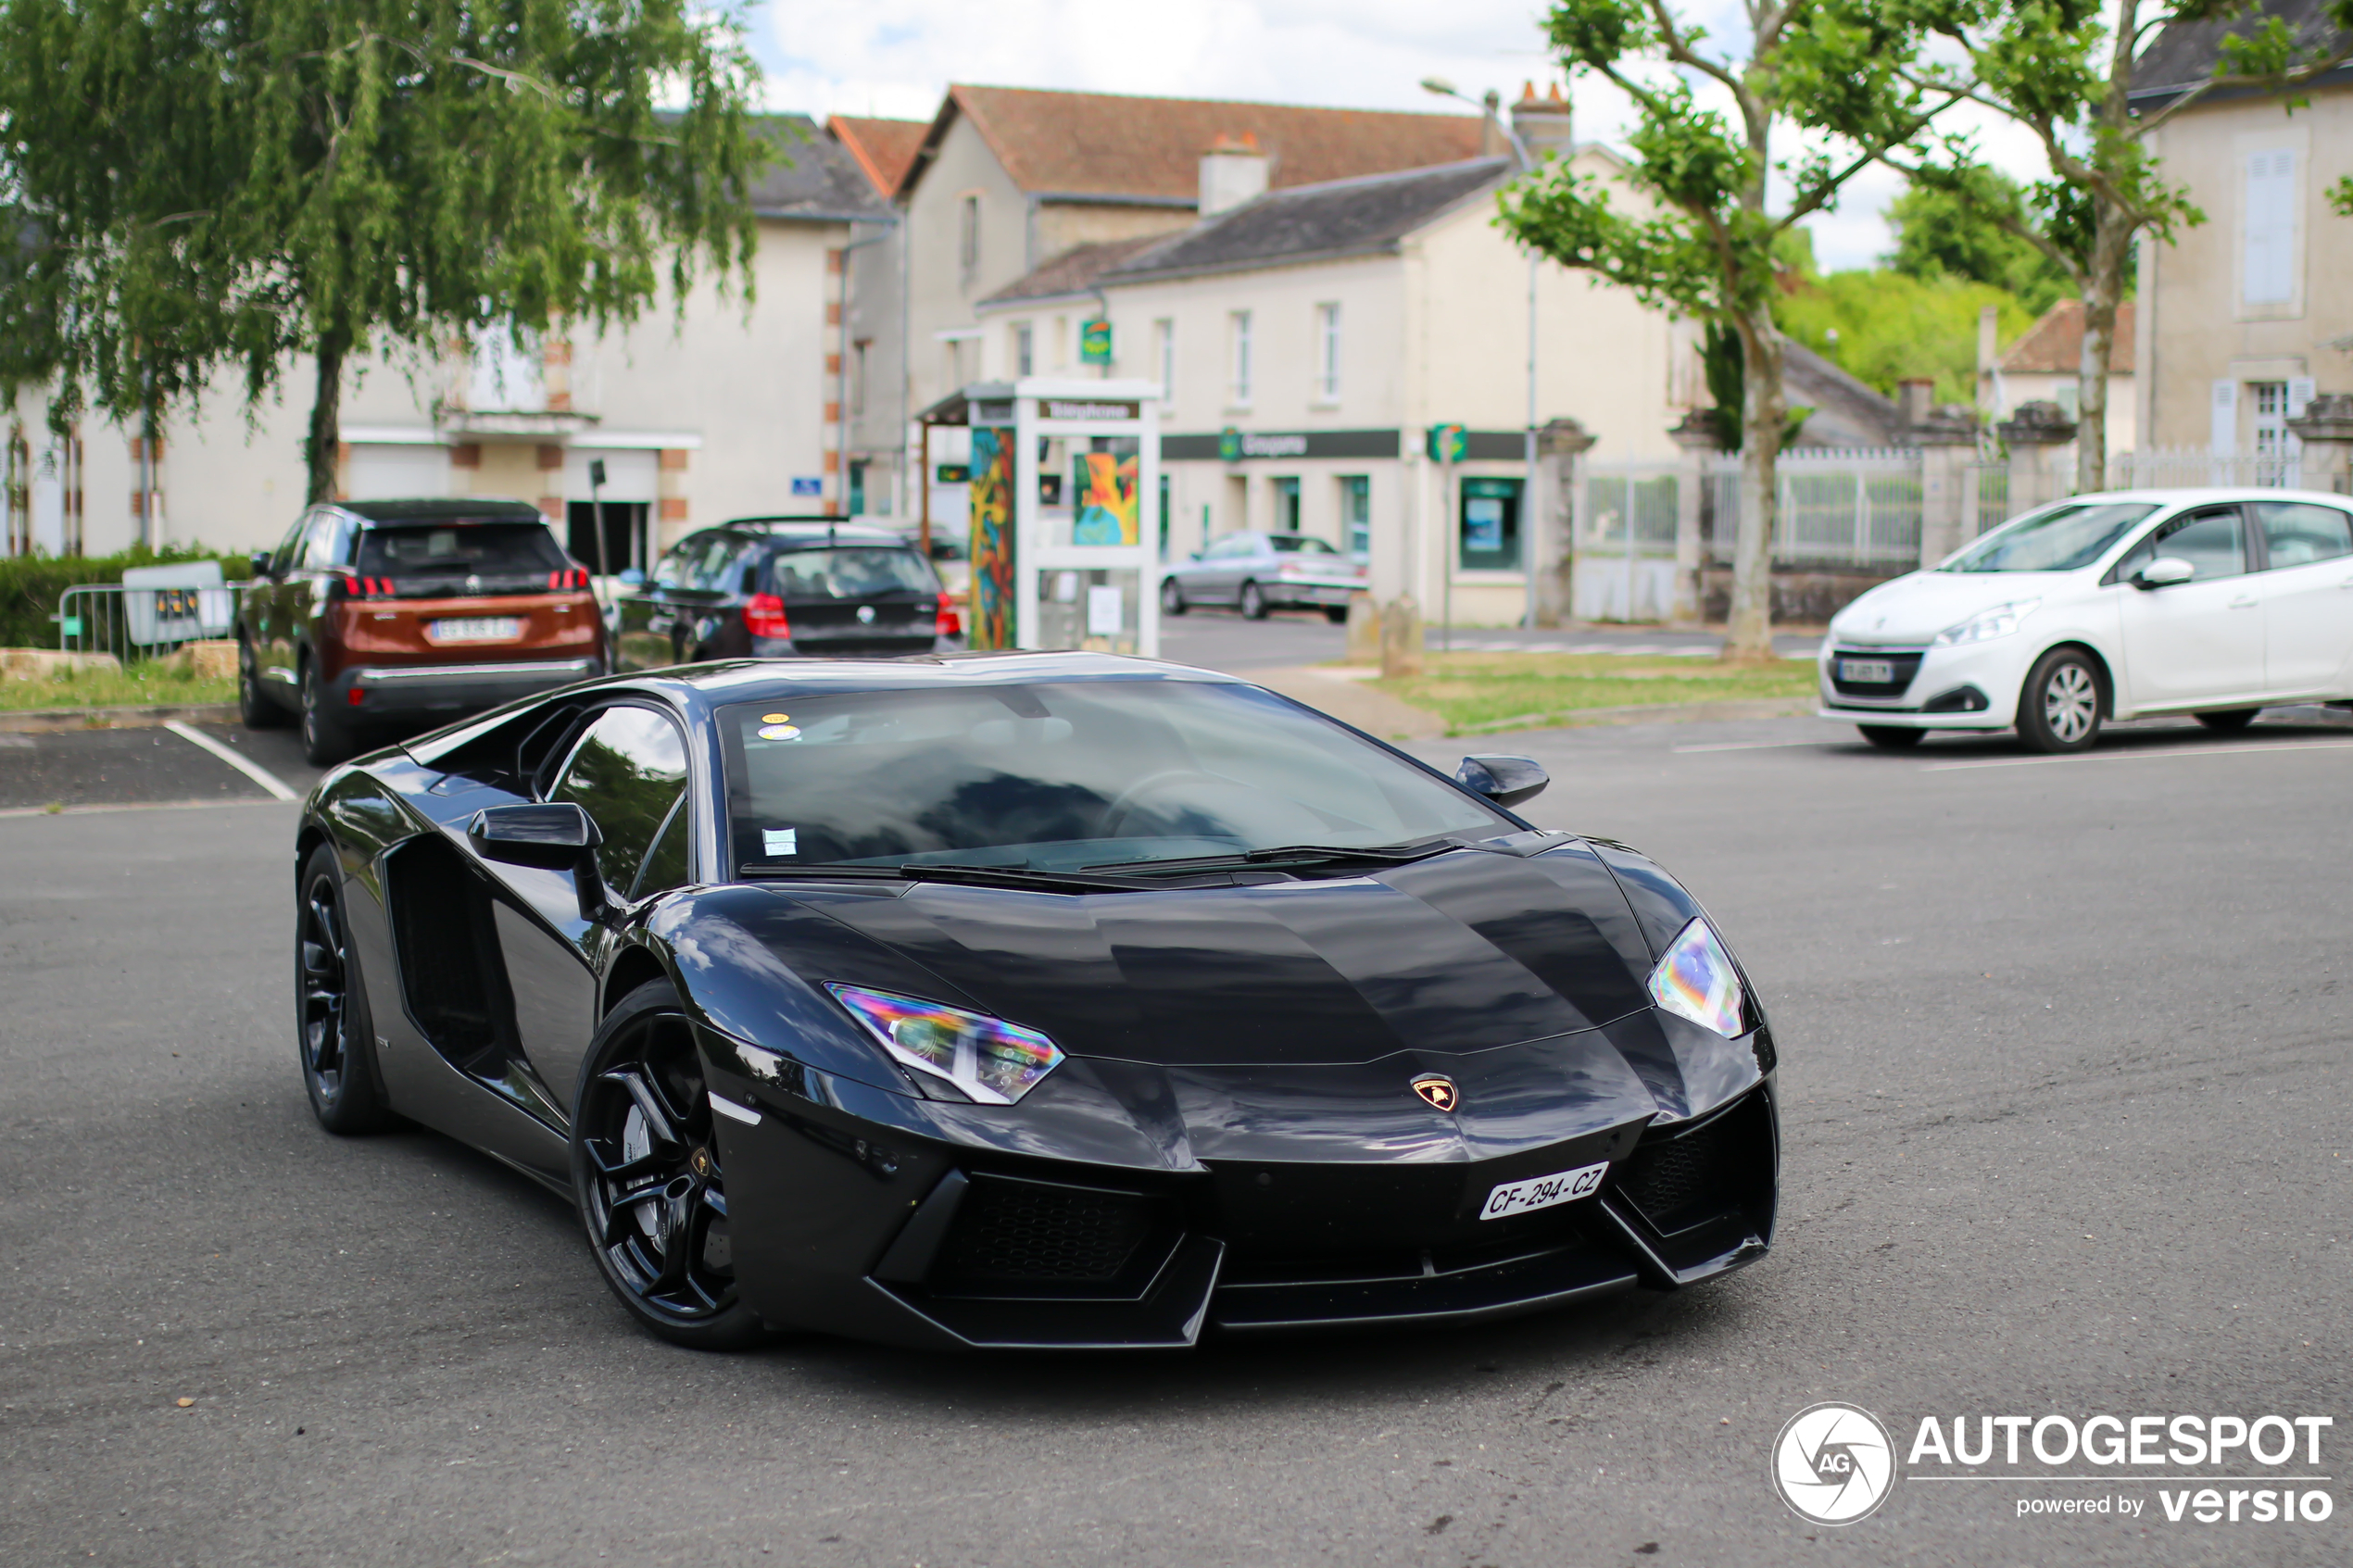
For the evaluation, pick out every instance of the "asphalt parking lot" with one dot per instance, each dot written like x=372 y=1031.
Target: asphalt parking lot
x=2065 y=1089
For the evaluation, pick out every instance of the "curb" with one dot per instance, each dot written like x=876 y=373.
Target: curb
x=52 y=720
x=1671 y=713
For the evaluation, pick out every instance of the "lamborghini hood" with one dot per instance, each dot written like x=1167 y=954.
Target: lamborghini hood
x=1461 y=953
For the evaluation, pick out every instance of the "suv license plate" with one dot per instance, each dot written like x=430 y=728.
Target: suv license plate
x=1866 y=672
x=1542 y=1192
x=476 y=629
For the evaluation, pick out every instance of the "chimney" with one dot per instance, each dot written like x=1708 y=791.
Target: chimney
x=1232 y=171
x=1913 y=398
x=1543 y=123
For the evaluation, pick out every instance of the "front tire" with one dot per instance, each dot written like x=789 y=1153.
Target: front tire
x=1336 y=614
x=2230 y=721
x=2059 y=710
x=332 y=1023
x=325 y=741
x=1172 y=598
x=1892 y=737
x=257 y=708
x=1253 y=602
x=645 y=1172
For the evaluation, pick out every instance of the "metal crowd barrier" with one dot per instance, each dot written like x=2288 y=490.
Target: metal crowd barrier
x=143 y=622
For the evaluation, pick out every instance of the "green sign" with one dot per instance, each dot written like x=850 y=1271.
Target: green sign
x=1448 y=444
x=1094 y=342
x=954 y=473
x=1229 y=446
x=1502 y=489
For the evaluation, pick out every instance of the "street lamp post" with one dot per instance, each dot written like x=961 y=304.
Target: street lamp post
x=1491 y=106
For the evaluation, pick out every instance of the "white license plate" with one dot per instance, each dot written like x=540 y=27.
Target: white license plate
x=1542 y=1192
x=1866 y=672
x=476 y=629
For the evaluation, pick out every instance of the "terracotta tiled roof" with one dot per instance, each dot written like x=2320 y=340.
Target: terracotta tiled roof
x=884 y=149
x=1073 y=271
x=2053 y=345
x=1104 y=145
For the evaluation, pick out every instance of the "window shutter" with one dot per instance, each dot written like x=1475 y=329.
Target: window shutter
x=2225 y=436
x=2270 y=228
x=2300 y=392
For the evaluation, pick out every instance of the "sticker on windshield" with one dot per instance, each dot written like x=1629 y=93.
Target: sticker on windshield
x=773 y=717
x=779 y=732
x=780 y=841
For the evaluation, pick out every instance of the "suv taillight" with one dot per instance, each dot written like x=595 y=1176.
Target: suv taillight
x=951 y=623
x=571 y=577
x=377 y=588
x=764 y=617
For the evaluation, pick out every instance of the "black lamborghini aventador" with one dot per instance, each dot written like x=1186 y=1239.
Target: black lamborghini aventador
x=1044 y=1000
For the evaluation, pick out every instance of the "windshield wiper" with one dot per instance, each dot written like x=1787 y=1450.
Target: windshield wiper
x=959 y=875
x=1289 y=855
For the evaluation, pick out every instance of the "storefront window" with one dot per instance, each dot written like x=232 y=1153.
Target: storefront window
x=1287 y=505
x=1490 y=525
x=1356 y=513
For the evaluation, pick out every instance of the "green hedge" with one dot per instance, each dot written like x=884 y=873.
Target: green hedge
x=30 y=585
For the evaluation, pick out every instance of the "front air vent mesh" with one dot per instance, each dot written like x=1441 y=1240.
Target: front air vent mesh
x=1680 y=1182
x=1011 y=1232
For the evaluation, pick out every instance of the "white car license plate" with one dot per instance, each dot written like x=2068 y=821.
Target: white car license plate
x=476 y=629
x=1866 y=672
x=1542 y=1192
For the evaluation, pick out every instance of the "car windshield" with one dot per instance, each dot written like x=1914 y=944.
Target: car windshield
x=1065 y=776
x=1301 y=545
x=849 y=573
x=466 y=549
x=2064 y=539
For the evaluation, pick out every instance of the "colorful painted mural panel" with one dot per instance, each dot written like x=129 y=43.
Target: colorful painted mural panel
x=1107 y=502
x=990 y=623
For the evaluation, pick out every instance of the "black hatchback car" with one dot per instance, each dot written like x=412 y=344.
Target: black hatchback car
x=787 y=587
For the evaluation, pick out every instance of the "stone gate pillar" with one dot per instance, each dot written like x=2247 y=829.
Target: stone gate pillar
x=1947 y=440
x=1561 y=446
x=2327 y=430
x=1696 y=436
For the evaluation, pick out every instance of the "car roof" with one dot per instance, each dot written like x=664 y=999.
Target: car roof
x=2191 y=495
x=803 y=530
x=385 y=513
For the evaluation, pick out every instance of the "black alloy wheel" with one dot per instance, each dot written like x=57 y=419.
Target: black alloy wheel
x=325 y=742
x=2059 y=708
x=1253 y=602
x=1892 y=737
x=257 y=708
x=2230 y=721
x=1172 y=598
x=644 y=1170
x=331 y=1024
x=1336 y=614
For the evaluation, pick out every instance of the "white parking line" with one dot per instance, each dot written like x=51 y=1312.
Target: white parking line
x=251 y=770
x=127 y=806
x=2140 y=755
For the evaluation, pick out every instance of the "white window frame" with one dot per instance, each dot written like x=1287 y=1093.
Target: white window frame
x=1025 y=350
x=1166 y=331
x=1238 y=380
x=2269 y=229
x=1327 y=351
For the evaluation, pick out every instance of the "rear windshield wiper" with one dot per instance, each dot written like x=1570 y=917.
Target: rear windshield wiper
x=1289 y=855
x=966 y=876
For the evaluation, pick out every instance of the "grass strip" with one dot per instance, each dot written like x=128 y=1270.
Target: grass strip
x=1477 y=691
x=142 y=685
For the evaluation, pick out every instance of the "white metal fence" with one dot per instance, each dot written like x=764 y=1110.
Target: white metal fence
x=144 y=621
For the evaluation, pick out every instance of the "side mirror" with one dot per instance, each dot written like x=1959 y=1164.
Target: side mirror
x=259 y=561
x=1506 y=780
x=2163 y=572
x=1195 y=555
x=558 y=838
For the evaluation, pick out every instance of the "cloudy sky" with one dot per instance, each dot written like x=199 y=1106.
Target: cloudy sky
x=894 y=57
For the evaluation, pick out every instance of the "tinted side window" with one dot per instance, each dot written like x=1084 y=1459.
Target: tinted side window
x=627 y=771
x=328 y=542
x=283 y=560
x=2214 y=542
x=677 y=563
x=2299 y=533
x=711 y=568
x=666 y=864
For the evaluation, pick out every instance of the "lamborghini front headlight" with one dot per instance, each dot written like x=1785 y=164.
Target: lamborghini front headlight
x=1694 y=979
x=991 y=1061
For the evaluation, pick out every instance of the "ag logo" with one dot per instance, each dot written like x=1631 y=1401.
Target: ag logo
x=1833 y=1463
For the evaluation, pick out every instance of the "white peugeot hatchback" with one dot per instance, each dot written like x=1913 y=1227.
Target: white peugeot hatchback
x=2214 y=603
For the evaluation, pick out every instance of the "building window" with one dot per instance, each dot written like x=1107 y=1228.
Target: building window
x=858 y=374
x=968 y=235
x=2275 y=448
x=1025 y=350
x=1164 y=337
x=1327 y=353
x=2270 y=228
x=1287 y=505
x=1356 y=514
x=1490 y=525
x=1242 y=359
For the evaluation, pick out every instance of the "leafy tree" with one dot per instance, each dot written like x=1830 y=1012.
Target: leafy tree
x=343 y=177
x=2067 y=71
x=1884 y=326
x=1937 y=235
x=1725 y=368
x=1833 y=69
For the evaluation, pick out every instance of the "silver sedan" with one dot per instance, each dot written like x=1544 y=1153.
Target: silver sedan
x=1256 y=572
